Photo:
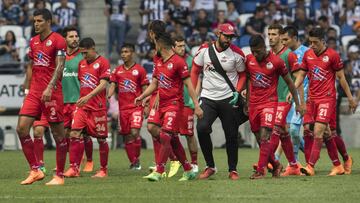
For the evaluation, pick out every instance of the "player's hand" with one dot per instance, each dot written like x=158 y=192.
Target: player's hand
x=82 y=101
x=300 y=109
x=353 y=105
x=46 y=95
x=243 y=93
x=289 y=97
x=199 y=112
x=138 y=101
x=235 y=98
x=156 y=104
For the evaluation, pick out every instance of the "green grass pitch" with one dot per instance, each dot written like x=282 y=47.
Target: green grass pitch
x=124 y=185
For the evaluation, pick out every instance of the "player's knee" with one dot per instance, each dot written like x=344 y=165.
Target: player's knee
x=101 y=140
x=39 y=132
x=203 y=128
x=153 y=130
x=75 y=134
x=22 y=131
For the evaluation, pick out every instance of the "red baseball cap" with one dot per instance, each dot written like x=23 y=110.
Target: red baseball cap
x=227 y=29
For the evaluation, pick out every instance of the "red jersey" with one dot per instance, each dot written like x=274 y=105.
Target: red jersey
x=264 y=77
x=43 y=54
x=321 y=72
x=170 y=75
x=129 y=83
x=89 y=77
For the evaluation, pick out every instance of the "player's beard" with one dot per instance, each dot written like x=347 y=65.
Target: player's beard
x=224 y=45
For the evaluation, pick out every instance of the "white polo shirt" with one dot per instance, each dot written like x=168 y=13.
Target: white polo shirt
x=214 y=86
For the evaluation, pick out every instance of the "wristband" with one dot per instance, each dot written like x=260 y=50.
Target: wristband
x=26 y=91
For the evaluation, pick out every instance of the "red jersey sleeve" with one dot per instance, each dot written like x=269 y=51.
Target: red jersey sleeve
x=60 y=44
x=282 y=70
x=183 y=69
x=337 y=63
x=293 y=62
x=31 y=53
x=113 y=75
x=104 y=70
x=143 y=78
x=304 y=66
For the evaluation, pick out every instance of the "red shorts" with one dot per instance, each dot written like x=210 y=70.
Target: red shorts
x=282 y=111
x=309 y=115
x=34 y=107
x=168 y=117
x=324 y=110
x=262 y=116
x=69 y=110
x=129 y=119
x=186 y=121
x=42 y=122
x=94 y=122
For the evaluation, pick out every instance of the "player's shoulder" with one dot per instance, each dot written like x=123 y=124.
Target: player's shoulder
x=139 y=67
x=204 y=46
x=249 y=57
x=237 y=50
x=275 y=59
x=331 y=52
x=103 y=60
x=34 y=38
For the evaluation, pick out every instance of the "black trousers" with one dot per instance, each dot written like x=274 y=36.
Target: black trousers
x=231 y=118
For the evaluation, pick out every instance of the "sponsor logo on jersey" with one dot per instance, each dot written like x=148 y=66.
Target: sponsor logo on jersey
x=269 y=65
x=325 y=59
x=98 y=119
x=170 y=66
x=259 y=76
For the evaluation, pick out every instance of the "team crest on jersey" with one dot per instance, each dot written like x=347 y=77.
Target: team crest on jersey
x=269 y=65
x=96 y=65
x=325 y=59
x=135 y=72
x=48 y=43
x=170 y=66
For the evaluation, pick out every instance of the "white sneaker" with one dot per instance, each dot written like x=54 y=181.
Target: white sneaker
x=195 y=168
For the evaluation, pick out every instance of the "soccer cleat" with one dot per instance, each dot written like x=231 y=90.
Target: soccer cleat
x=57 y=180
x=207 y=173
x=174 y=167
x=43 y=169
x=195 y=168
x=337 y=170
x=291 y=171
x=233 y=175
x=188 y=175
x=135 y=166
x=308 y=170
x=102 y=173
x=89 y=166
x=269 y=167
x=154 y=176
x=257 y=175
x=348 y=165
x=277 y=170
x=72 y=173
x=152 y=168
x=35 y=175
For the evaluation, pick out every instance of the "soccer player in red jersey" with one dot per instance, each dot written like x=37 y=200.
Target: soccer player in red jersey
x=47 y=54
x=90 y=115
x=280 y=131
x=170 y=75
x=264 y=69
x=130 y=79
x=322 y=64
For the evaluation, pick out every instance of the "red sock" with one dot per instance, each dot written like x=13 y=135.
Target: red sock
x=341 y=146
x=193 y=156
x=308 y=143
x=81 y=150
x=39 y=150
x=172 y=156
x=61 y=149
x=287 y=147
x=88 y=148
x=75 y=152
x=130 y=151
x=265 y=150
x=28 y=148
x=332 y=150
x=179 y=152
x=274 y=140
x=137 y=145
x=156 y=145
x=315 y=151
x=104 y=154
x=164 y=151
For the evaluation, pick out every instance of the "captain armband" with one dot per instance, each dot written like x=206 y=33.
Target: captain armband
x=60 y=53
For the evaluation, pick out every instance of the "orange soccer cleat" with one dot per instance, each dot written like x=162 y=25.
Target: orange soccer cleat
x=35 y=175
x=308 y=170
x=72 y=173
x=348 y=165
x=257 y=175
x=89 y=166
x=57 y=180
x=207 y=173
x=337 y=170
x=233 y=175
x=291 y=171
x=102 y=173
